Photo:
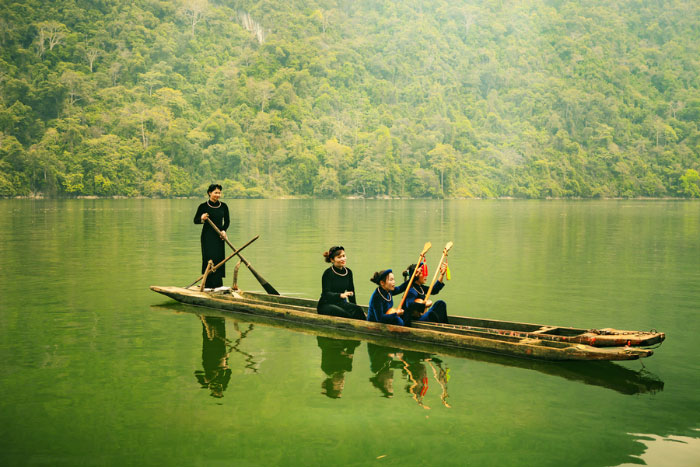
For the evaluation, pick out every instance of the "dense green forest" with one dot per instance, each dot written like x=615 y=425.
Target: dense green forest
x=326 y=98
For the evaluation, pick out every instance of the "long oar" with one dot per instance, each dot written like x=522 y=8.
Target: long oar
x=437 y=271
x=213 y=269
x=426 y=247
x=266 y=285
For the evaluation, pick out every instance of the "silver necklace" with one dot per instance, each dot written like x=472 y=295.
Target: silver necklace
x=379 y=289
x=339 y=274
x=214 y=207
x=421 y=291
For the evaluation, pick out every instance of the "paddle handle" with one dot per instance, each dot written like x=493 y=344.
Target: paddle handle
x=210 y=265
x=437 y=271
x=266 y=285
x=432 y=284
x=410 y=281
x=214 y=268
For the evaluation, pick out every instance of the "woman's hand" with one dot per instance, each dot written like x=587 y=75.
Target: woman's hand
x=205 y=216
x=443 y=270
x=223 y=235
x=346 y=294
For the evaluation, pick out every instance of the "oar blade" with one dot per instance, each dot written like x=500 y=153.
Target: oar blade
x=426 y=247
x=448 y=247
x=269 y=289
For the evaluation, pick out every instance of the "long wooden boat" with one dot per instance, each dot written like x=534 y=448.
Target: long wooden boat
x=304 y=310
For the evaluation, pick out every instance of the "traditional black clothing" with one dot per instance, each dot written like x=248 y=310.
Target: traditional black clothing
x=333 y=283
x=212 y=245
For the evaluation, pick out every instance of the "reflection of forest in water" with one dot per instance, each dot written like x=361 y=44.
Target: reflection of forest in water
x=417 y=367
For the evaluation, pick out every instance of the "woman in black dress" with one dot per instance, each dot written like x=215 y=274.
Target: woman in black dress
x=212 y=244
x=338 y=288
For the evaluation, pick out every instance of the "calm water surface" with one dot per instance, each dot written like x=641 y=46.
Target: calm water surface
x=99 y=370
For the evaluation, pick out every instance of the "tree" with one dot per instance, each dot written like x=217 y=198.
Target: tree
x=690 y=183
x=47 y=166
x=327 y=184
x=194 y=11
x=50 y=33
x=76 y=87
x=443 y=159
x=261 y=92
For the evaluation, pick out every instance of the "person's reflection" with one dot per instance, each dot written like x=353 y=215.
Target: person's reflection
x=442 y=376
x=382 y=363
x=336 y=359
x=216 y=373
x=383 y=360
x=416 y=373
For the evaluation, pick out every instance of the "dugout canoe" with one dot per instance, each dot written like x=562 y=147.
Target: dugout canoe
x=304 y=310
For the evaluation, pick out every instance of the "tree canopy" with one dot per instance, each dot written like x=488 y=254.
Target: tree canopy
x=327 y=98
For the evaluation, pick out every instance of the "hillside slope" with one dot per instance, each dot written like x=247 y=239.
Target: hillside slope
x=413 y=98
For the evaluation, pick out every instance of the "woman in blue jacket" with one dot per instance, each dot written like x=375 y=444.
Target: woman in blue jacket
x=382 y=299
x=416 y=307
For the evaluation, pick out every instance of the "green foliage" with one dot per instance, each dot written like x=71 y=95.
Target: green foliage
x=690 y=184
x=327 y=99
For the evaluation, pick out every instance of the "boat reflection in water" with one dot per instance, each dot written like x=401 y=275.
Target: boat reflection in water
x=336 y=359
x=384 y=359
x=216 y=349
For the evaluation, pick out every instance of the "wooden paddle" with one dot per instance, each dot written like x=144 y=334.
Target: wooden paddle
x=442 y=260
x=426 y=247
x=266 y=285
x=214 y=268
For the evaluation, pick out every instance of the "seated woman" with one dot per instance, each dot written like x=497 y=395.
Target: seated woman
x=382 y=299
x=416 y=307
x=338 y=288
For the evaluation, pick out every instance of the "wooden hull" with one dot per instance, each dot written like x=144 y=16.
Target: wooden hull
x=303 y=311
x=606 y=337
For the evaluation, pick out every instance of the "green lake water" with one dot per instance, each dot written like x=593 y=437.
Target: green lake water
x=99 y=370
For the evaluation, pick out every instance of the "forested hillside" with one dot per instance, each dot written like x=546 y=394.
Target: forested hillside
x=326 y=98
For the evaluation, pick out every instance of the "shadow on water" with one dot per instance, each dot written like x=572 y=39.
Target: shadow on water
x=410 y=358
